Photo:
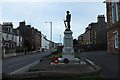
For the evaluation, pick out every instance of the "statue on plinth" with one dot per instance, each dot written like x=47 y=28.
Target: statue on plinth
x=68 y=19
x=68 y=51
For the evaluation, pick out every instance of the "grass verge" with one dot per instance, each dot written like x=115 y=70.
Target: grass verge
x=76 y=54
x=56 y=55
x=60 y=54
x=90 y=77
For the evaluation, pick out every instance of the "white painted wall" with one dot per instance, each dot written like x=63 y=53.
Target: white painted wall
x=4 y=36
x=47 y=44
x=10 y=37
x=43 y=43
x=17 y=41
x=14 y=38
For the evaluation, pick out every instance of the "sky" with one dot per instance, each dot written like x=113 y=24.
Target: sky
x=37 y=13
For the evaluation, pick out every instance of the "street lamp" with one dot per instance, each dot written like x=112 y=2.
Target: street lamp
x=60 y=38
x=50 y=34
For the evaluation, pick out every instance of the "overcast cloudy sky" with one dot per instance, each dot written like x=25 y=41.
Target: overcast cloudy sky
x=37 y=13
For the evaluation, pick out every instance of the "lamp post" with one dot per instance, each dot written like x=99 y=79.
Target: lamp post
x=50 y=34
x=51 y=31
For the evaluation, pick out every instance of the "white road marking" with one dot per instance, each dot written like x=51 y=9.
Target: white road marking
x=25 y=67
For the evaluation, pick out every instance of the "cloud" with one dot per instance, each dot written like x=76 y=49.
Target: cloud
x=37 y=13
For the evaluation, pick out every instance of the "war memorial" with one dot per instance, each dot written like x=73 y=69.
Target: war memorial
x=61 y=67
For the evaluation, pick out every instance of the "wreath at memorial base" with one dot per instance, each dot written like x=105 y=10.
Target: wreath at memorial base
x=54 y=60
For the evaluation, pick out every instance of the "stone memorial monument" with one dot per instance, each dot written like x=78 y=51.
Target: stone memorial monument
x=68 y=51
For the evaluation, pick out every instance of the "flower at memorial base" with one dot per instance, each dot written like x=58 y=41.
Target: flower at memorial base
x=56 y=60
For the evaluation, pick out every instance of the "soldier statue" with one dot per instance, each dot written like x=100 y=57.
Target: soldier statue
x=68 y=19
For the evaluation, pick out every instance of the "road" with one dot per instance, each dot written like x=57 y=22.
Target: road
x=13 y=64
x=110 y=63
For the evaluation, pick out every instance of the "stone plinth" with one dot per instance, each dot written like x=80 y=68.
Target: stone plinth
x=68 y=51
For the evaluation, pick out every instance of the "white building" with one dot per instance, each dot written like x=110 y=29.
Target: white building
x=43 y=42
x=17 y=39
x=8 y=38
x=47 y=44
x=11 y=41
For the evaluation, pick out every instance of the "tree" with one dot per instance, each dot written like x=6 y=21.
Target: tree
x=75 y=41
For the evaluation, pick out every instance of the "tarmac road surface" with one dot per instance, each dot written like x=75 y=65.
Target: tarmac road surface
x=110 y=63
x=10 y=65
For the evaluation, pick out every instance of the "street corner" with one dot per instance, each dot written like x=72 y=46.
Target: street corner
x=92 y=64
x=45 y=70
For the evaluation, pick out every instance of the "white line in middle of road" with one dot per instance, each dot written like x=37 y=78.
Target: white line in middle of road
x=25 y=67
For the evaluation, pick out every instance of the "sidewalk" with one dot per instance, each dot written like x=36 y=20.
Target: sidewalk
x=20 y=54
x=17 y=54
x=12 y=55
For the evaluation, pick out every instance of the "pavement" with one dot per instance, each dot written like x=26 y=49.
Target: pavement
x=109 y=63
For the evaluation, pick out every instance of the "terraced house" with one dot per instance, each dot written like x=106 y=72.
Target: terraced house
x=95 y=33
x=11 y=40
x=113 y=29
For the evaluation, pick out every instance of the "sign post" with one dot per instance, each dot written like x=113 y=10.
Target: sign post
x=79 y=51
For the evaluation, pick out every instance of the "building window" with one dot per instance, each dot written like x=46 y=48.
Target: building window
x=116 y=40
x=113 y=18
x=94 y=35
x=116 y=11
